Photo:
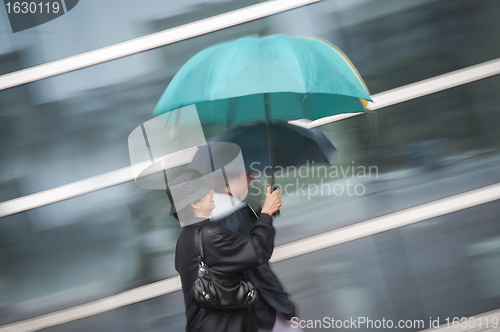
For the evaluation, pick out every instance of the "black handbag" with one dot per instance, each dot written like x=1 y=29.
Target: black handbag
x=218 y=290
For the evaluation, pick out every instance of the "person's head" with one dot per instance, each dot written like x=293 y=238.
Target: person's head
x=204 y=206
x=190 y=196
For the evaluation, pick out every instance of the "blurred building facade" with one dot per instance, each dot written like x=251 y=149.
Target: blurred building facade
x=121 y=237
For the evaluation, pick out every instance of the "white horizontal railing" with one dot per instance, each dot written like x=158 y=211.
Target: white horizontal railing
x=283 y=252
x=149 y=42
x=435 y=84
x=91 y=184
x=485 y=322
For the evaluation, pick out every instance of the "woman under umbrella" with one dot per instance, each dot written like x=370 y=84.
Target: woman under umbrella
x=192 y=204
x=273 y=309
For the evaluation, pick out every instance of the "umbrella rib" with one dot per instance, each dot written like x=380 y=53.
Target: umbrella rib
x=147 y=143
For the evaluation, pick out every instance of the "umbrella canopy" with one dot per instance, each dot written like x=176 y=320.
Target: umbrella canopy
x=275 y=77
x=292 y=145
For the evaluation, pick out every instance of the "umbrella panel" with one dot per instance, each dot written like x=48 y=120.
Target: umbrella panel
x=292 y=145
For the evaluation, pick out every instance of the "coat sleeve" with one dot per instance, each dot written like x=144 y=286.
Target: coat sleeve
x=228 y=252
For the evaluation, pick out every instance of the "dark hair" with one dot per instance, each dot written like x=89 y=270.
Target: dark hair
x=185 y=213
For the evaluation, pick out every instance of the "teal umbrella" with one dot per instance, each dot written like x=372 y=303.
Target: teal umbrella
x=271 y=78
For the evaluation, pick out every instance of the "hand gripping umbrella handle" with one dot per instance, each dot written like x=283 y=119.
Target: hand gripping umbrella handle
x=273 y=188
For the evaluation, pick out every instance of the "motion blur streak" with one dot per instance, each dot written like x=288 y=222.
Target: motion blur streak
x=294 y=249
x=63 y=256
x=149 y=42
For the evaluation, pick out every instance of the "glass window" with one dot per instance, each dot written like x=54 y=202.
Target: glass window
x=93 y=24
x=391 y=43
x=74 y=126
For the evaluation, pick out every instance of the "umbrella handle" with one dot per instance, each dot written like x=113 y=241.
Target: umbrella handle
x=273 y=188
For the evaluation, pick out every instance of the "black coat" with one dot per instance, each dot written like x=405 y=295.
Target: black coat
x=224 y=252
x=272 y=296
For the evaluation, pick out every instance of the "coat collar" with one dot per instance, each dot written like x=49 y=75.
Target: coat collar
x=199 y=221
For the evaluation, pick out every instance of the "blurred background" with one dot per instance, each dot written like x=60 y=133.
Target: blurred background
x=74 y=126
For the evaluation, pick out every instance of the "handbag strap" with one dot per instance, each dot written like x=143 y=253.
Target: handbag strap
x=220 y=276
x=199 y=246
